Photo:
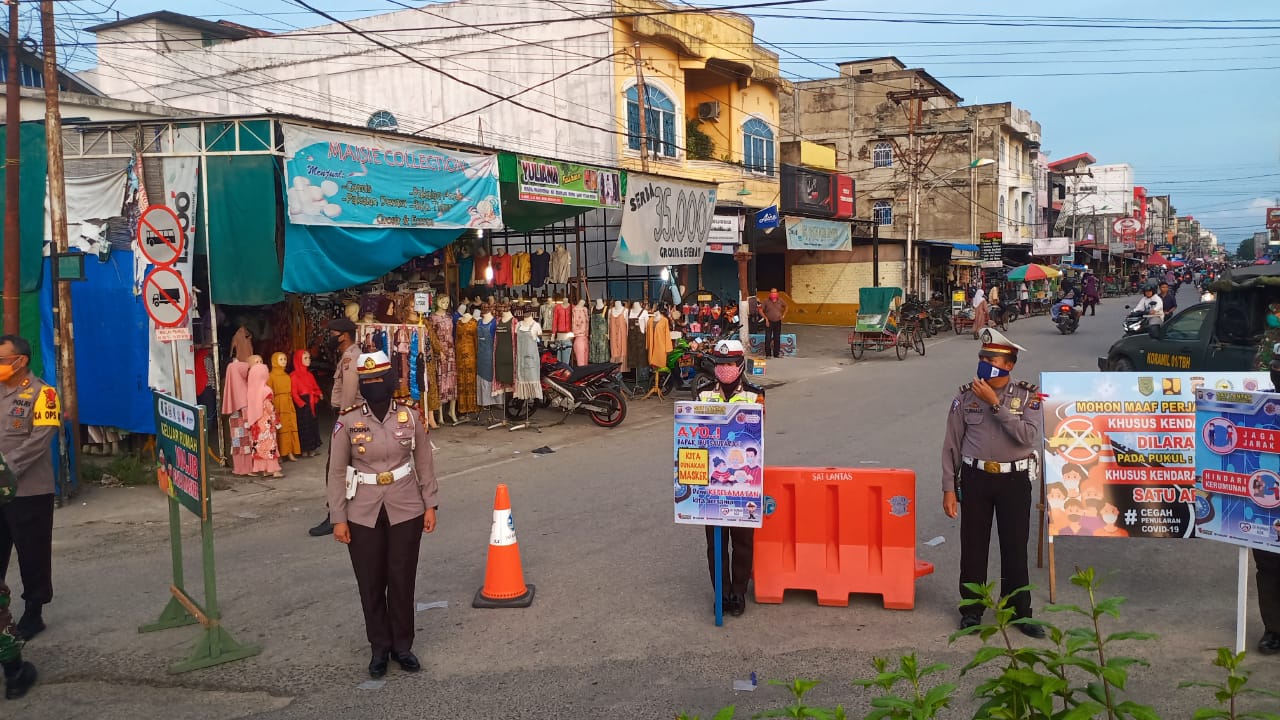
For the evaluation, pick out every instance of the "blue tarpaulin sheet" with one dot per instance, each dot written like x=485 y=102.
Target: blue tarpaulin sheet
x=321 y=259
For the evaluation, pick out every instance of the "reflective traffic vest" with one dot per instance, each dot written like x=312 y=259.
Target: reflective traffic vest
x=742 y=396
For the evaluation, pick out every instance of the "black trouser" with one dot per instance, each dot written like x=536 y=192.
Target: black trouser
x=385 y=559
x=26 y=523
x=1008 y=498
x=1268 y=578
x=773 y=339
x=737 y=573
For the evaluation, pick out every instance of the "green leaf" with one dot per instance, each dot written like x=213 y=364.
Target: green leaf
x=1137 y=711
x=1131 y=635
x=1083 y=711
x=984 y=655
x=1210 y=714
x=1109 y=606
x=1066 y=608
x=725 y=713
x=1095 y=691
x=1114 y=676
x=1197 y=684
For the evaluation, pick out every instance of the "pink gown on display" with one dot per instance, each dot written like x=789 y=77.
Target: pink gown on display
x=581 y=333
x=261 y=418
x=235 y=399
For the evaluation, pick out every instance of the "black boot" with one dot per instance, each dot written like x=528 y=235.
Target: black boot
x=32 y=622
x=324 y=528
x=18 y=683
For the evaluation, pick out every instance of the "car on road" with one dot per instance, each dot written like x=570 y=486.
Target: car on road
x=1219 y=335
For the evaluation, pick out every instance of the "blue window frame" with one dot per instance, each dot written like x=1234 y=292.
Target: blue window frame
x=660 y=121
x=757 y=146
x=882 y=212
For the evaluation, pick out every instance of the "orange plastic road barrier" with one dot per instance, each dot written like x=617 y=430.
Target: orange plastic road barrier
x=503 y=577
x=839 y=531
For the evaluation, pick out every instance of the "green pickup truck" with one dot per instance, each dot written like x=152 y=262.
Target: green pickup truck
x=1223 y=334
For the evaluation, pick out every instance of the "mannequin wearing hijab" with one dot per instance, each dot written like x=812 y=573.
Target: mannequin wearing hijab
x=260 y=414
x=306 y=397
x=286 y=414
x=234 y=404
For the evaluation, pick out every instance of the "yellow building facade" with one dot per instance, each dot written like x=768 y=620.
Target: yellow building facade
x=711 y=103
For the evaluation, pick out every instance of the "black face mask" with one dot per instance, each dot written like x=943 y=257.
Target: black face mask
x=375 y=391
x=333 y=342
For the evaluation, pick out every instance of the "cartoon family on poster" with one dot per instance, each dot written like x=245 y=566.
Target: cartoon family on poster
x=736 y=466
x=1078 y=504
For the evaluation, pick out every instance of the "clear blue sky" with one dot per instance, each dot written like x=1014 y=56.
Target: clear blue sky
x=1095 y=86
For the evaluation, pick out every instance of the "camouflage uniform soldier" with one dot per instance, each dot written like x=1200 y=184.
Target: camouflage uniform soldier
x=19 y=676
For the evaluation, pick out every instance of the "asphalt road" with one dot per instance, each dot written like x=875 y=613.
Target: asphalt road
x=621 y=626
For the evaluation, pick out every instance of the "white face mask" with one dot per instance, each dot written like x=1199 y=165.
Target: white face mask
x=1109 y=518
x=1057 y=503
x=1072 y=485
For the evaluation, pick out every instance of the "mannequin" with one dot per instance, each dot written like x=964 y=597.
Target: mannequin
x=562 y=316
x=242 y=344
x=465 y=349
x=528 y=375
x=235 y=400
x=581 y=326
x=546 y=315
x=446 y=361
x=260 y=415
x=286 y=414
x=598 y=342
x=306 y=396
x=637 y=350
x=659 y=339
x=430 y=348
x=504 y=355
x=352 y=311
x=484 y=358
x=618 y=335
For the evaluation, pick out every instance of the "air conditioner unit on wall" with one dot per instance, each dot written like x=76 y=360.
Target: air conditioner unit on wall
x=709 y=110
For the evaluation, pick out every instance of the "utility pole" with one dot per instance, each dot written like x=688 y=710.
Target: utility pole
x=641 y=102
x=12 y=181
x=62 y=318
x=916 y=159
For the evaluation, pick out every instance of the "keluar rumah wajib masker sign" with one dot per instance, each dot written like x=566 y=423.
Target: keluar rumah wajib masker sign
x=1120 y=450
x=365 y=181
x=664 y=222
x=1238 y=467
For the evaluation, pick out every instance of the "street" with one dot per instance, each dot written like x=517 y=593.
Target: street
x=621 y=625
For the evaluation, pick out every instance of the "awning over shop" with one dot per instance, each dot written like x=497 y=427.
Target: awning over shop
x=964 y=248
x=244 y=266
x=537 y=192
x=322 y=259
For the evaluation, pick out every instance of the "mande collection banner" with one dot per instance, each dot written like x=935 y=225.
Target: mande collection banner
x=1120 y=450
x=561 y=183
x=719 y=464
x=1238 y=468
x=664 y=222
x=365 y=181
x=809 y=234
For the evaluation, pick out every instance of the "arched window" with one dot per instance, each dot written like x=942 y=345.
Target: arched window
x=882 y=212
x=1017 y=212
x=882 y=155
x=382 y=120
x=659 y=117
x=1000 y=211
x=757 y=146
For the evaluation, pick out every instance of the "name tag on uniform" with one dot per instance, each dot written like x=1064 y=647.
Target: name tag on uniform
x=402 y=417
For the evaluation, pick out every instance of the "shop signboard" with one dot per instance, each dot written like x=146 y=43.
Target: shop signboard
x=1238 y=468
x=180 y=442
x=1050 y=246
x=724 y=235
x=664 y=222
x=1273 y=218
x=362 y=181
x=562 y=183
x=1120 y=449
x=768 y=218
x=810 y=234
x=719 y=464
x=991 y=247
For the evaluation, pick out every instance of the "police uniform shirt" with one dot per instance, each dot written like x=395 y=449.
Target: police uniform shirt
x=32 y=418
x=373 y=446
x=1011 y=433
x=346 y=382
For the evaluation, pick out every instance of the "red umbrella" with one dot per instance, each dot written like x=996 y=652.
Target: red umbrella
x=1157 y=259
x=1177 y=263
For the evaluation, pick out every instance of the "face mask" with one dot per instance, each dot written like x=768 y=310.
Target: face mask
x=1057 y=503
x=773 y=296
x=332 y=342
x=987 y=371
x=6 y=372
x=1073 y=517
x=377 y=390
x=1109 y=518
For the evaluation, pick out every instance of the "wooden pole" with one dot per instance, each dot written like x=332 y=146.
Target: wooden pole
x=12 y=180
x=641 y=103
x=63 y=319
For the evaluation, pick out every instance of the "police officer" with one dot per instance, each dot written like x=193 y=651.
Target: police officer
x=992 y=431
x=382 y=498
x=346 y=385
x=731 y=387
x=32 y=417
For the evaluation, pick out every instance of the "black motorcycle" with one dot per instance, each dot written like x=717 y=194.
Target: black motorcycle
x=589 y=389
x=1068 y=318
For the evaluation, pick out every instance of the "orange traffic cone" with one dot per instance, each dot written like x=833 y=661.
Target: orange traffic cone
x=503 y=577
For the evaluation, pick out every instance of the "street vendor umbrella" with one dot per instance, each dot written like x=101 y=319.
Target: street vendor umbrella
x=1157 y=259
x=1177 y=263
x=1033 y=272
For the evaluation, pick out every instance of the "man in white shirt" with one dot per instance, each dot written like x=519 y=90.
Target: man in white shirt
x=1151 y=306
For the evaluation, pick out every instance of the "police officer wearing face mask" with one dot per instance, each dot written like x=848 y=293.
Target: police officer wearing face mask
x=382 y=498
x=993 y=430
x=346 y=384
x=32 y=416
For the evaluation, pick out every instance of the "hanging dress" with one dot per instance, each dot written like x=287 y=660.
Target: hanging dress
x=528 y=366
x=446 y=361
x=504 y=357
x=484 y=362
x=599 y=341
x=637 y=351
x=306 y=396
x=546 y=316
x=235 y=401
x=658 y=340
x=465 y=347
x=581 y=326
x=430 y=373
x=260 y=415
x=618 y=339
x=286 y=412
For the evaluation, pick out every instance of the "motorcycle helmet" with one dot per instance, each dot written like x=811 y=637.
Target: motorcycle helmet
x=729 y=359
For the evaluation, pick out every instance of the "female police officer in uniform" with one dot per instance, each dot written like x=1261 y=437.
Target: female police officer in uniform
x=382 y=498
x=993 y=430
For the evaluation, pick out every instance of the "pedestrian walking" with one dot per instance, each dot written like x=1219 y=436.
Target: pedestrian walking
x=1024 y=299
x=737 y=546
x=774 y=310
x=980 y=312
x=382 y=498
x=993 y=429
x=33 y=417
x=346 y=385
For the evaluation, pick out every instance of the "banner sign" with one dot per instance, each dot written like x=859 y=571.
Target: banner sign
x=1273 y=218
x=768 y=218
x=365 y=181
x=809 y=234
x=1050 y=246
x=1120 y=450
x=181 y=175
x=1238 y=468
x=992 y=250
x=664 y=222
x=180 y=448
x=561 y=183
x=719 y=464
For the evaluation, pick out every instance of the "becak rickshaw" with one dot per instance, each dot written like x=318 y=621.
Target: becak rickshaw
x=878 y=326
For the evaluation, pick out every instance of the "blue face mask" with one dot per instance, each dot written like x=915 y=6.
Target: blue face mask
x=987 y=371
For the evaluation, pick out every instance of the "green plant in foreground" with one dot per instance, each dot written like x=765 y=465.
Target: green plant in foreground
x=1229 y=692
x=921 y=704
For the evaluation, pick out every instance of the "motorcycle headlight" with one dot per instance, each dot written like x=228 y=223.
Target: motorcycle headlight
x=1207 y=297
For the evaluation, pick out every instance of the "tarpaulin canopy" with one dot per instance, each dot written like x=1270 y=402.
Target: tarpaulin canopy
x=1156 y=258
x=322 y=259
x=244 y=266
x=32 y=173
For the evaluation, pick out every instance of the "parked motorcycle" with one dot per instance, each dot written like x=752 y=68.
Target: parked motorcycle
x=1067 y=318
x=684 y=363
x=589 y=389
